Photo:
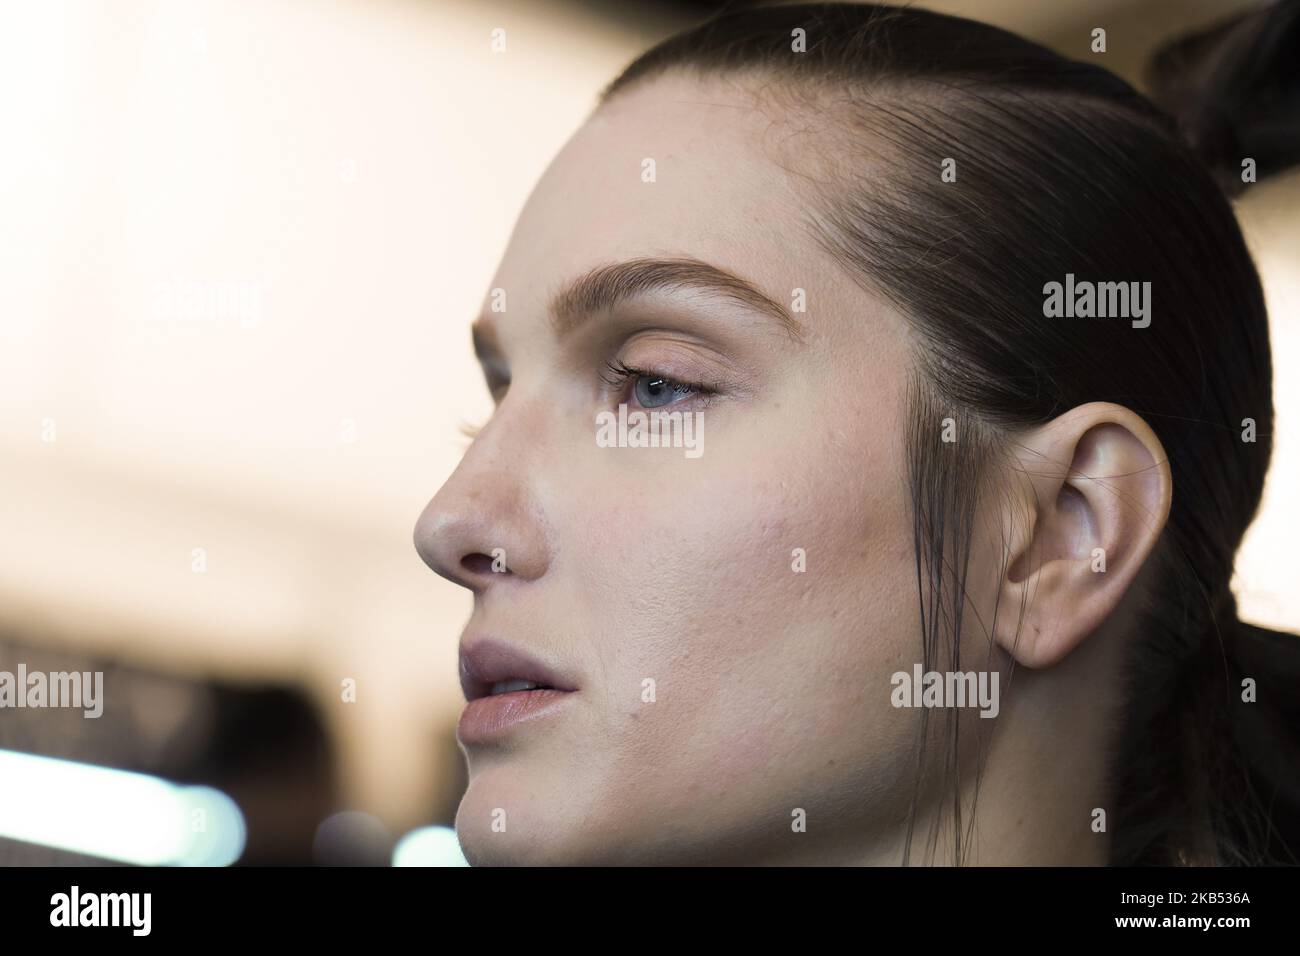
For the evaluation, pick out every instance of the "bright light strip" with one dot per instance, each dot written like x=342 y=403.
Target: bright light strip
x=429 y=846
x=115 y=814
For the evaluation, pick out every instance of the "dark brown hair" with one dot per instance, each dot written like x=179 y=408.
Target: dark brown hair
x=1063 y=168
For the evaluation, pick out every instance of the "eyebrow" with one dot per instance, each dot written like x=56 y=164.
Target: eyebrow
x=608 y=286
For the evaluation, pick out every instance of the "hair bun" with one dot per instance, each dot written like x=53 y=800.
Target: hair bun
x=1234 y=91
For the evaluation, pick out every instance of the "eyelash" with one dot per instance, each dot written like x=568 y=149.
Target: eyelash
x=617 y=374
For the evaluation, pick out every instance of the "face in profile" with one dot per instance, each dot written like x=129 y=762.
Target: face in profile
x=793 y=466
x=727 y=619
x=689 y=531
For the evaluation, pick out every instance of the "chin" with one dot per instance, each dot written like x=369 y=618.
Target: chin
x=531 y=834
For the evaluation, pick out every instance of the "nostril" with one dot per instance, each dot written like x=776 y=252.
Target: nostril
x=477 y=563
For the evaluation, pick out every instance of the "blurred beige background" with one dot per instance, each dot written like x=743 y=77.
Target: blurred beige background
x=241 y=243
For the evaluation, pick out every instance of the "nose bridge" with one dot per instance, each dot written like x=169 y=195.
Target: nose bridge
x=485 y=524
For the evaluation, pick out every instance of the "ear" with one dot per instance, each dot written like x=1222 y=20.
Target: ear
x=1096 y=496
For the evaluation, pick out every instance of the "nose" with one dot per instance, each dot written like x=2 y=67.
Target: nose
x=484 y=526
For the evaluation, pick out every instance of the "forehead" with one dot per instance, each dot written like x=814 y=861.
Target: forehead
x=676 y=165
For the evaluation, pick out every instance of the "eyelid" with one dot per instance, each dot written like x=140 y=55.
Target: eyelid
x=685 y=358
x=617 y=373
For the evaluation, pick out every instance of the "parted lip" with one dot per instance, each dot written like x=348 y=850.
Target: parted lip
x=485 y=661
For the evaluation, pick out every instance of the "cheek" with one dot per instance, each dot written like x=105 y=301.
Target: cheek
x=768 y=599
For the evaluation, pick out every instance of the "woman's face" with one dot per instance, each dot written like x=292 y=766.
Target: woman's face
x=729 y=613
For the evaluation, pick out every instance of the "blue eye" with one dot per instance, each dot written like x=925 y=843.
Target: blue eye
x=652 y=391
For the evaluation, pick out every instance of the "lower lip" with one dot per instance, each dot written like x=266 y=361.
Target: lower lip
x=487 y=718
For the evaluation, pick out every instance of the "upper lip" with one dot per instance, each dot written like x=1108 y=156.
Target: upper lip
x=487 y=661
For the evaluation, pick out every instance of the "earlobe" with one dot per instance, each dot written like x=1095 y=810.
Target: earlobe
x=1097 y=491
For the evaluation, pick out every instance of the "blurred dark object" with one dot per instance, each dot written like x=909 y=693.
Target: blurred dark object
x=265 y=747
x=1235 y=91
x=268 y=751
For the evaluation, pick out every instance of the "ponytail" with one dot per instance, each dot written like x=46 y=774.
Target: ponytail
x=1229 y=717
